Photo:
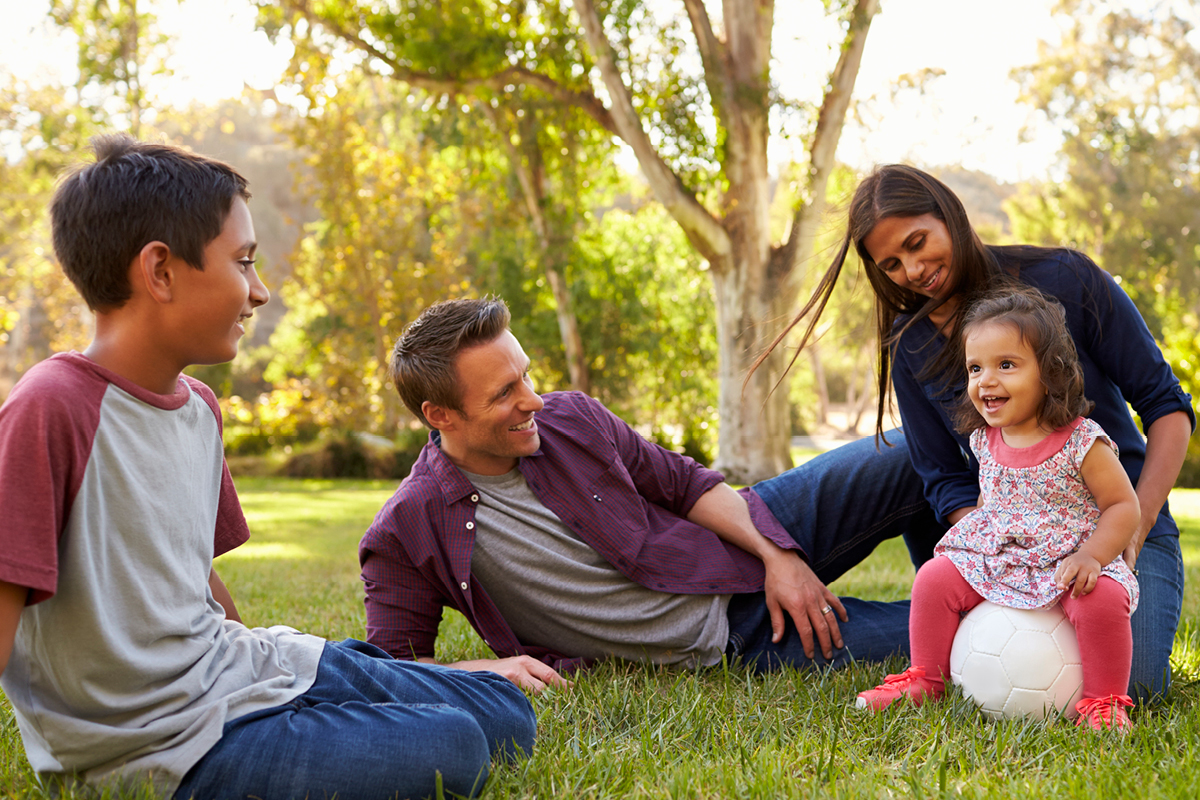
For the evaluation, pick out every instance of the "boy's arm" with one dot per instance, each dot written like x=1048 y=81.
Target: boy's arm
x=12 y=603
x=222 y=595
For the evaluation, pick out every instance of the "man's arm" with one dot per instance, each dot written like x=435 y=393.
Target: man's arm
x=12 y=603
x=222 y=595
x=790 y=585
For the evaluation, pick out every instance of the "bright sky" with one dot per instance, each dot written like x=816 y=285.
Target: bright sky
x=969 y=116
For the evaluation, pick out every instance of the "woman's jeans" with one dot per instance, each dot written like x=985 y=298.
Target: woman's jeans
x=370 y=727
x=840 y=505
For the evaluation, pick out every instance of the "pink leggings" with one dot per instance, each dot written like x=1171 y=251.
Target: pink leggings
x=941 y=595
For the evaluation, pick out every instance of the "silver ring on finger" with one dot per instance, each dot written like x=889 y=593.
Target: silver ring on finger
x=826 y=610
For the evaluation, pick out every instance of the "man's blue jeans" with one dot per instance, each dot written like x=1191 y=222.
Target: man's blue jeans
x=370 y=727
x=838 y=507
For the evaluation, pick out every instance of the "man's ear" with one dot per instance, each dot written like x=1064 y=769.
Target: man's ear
x=154 y=268
x=439 y=417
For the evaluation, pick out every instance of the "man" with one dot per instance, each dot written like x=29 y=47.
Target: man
x=565 y=537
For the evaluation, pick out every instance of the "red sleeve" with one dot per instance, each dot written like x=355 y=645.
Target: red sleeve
x=232 y=530
x=47 y=427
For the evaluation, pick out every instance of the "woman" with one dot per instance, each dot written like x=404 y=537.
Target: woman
x=925 y=264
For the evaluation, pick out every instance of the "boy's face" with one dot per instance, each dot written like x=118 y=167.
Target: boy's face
x=216 y=301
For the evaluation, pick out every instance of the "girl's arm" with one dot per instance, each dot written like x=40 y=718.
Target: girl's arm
x=1119 y=516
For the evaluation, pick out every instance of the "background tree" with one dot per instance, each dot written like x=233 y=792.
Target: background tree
x=40 y=312
x=119 y=48
x=429 y=46
x=699 y=135
x=1123 y=87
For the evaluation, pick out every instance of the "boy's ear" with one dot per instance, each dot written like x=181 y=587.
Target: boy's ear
x=438 y=416
x=154 y=268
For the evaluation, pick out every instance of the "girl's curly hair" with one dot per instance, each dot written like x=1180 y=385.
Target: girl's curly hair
x=1042 y=324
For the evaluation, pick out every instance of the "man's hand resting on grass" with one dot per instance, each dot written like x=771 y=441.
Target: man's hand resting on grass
x=524 y=671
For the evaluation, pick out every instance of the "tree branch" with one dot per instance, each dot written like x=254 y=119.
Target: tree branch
x=713 y=56
x=807 y=217
x=585 y=101
x=701 y=228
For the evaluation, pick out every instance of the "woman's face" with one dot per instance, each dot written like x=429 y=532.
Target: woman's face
x=914 y=252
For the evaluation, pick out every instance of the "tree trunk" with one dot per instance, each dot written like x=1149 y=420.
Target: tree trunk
x=820 y=383
x=568 y=328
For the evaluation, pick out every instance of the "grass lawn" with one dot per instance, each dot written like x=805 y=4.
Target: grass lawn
x=633 y=731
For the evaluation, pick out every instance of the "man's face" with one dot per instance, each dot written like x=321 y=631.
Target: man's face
x=496 y=425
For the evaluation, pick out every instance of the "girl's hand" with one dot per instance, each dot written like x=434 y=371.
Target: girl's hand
x=1081 y=568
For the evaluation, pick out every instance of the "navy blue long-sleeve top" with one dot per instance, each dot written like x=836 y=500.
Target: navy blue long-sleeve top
x=1122 y=367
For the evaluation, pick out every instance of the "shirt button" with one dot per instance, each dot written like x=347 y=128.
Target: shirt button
x=474 y=498
x=596 y=497
x=470 y=526
x=463 y=585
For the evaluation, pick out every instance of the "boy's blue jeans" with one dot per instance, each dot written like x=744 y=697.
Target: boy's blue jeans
x=370 y=727
x=840 y=505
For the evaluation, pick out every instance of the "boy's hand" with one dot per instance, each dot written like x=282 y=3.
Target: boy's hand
x=1081 y=568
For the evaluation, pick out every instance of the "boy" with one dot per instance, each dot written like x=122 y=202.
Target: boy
x=120 y=648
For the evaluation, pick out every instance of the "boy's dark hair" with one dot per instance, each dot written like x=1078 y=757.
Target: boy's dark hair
x=422 y=366
x=1042 y=324
x=105 y=212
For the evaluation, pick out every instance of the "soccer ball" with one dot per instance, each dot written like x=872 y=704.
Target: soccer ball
x=1016 y=662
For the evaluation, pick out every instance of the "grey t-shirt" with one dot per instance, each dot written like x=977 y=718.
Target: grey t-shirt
x=557 y=592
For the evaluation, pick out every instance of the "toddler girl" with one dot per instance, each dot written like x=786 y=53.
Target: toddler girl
x=1056 y=510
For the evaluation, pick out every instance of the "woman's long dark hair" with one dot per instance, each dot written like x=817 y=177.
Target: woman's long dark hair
x=898 y=190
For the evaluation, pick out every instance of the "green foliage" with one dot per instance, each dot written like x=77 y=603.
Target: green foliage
x=40 y=312
x=647 y=315
x=118 y=48
x=1123 y=87
x=388 y=241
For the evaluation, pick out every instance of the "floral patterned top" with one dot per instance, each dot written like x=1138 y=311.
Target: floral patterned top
x=1034 y=510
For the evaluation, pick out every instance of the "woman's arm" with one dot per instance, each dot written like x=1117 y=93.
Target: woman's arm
x=1166 y=447
x=951 y=485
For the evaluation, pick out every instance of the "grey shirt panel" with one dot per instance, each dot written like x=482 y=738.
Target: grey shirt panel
x=557 y=592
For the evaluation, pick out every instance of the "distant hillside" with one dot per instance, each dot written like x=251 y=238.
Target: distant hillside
x=983 y=197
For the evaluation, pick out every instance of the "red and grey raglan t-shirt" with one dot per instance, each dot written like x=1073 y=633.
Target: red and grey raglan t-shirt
x=115 y=501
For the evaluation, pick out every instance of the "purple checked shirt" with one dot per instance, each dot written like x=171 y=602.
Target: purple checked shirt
x=625 y=497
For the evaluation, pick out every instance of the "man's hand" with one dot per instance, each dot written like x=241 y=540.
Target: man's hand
x=791 y=586
x=524 y=671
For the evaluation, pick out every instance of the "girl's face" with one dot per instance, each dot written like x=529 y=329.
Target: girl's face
x=1003 y=378
x=914 y=252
